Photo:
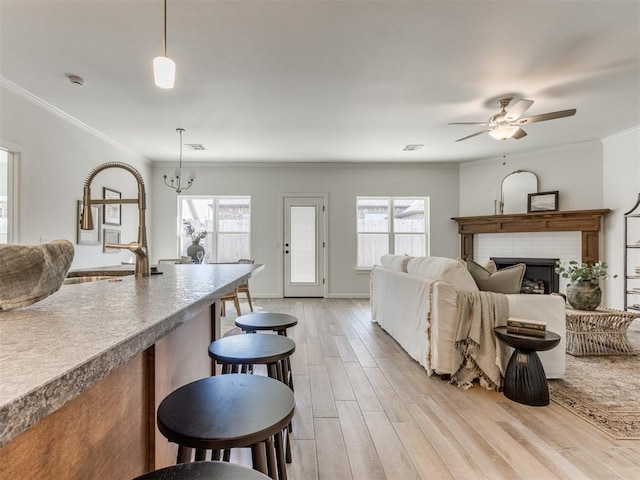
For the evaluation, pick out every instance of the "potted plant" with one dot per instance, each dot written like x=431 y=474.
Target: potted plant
x=583 y=293
x=195 y=250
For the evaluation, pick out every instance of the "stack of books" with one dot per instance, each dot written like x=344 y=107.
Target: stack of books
x=532 y=328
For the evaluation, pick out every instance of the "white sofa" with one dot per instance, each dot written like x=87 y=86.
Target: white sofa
x=414 y=299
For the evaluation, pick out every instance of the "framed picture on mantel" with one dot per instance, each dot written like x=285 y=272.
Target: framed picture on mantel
x=543 y=202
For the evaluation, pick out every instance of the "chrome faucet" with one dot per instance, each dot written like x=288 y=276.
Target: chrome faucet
x=139 y=248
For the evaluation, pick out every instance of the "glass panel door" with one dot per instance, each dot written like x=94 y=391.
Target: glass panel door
x=303 y=247
x=303 y=236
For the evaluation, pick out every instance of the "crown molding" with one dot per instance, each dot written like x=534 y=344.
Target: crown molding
x=33 y=98
x=310 y=164
x=621 y=134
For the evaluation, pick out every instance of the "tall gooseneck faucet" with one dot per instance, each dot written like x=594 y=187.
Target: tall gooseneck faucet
x=139 y=248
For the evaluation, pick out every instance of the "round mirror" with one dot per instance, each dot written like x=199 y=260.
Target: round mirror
x=515 y=189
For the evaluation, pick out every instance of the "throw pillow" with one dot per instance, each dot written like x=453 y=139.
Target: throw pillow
x=443 y=269
x=395 y=262
x=505 y=280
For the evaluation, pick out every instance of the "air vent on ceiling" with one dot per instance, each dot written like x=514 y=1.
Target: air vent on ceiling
x=194 y=146
x=412 y=147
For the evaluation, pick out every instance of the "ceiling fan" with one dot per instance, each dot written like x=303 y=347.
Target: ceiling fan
x=506 y=124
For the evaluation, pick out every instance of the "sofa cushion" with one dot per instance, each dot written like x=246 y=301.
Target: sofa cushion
x=505 y=280
x=395 y=262
x=444 y=269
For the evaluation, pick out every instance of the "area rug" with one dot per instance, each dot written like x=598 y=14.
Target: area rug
x=604 y=390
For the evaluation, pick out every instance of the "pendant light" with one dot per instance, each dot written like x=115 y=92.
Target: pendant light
x=175 y=180
x=164 y=69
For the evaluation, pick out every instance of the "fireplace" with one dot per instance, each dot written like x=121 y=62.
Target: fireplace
x=539 y=277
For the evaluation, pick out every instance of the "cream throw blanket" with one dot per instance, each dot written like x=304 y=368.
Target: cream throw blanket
x=478 y=353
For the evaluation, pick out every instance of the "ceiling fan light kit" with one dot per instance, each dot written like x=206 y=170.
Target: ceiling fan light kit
x=506 y=123
x=503 y=132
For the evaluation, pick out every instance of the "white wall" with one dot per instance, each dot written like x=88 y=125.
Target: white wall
x=588 y=175
x=575 y=170
x=621 y=185
x=342 y=183
x=55 y=157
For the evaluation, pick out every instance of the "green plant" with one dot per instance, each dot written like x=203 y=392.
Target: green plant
x=583 y=271
x=189 y=231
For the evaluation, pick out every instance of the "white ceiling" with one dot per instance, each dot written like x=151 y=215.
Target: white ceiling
x=328 y=80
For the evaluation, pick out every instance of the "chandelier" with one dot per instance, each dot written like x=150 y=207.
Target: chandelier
x=175 y=180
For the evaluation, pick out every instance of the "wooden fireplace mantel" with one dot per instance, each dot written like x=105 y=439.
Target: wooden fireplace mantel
x=586 y=221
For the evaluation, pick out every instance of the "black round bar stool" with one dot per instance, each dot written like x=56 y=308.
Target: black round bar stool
x=238 y=352
x=270 y=321
x=230 y=411
x=204 y=471
x=243 y=350
x=278 y=322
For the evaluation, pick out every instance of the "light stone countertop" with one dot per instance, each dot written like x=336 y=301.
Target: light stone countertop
x=55 y=349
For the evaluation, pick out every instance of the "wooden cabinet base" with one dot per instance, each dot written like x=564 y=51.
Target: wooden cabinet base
x=102 y=433
x=110 y=431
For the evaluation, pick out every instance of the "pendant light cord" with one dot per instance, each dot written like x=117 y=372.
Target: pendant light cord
x=164 y=40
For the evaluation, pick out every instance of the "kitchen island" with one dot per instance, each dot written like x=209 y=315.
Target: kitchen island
x=82 y=371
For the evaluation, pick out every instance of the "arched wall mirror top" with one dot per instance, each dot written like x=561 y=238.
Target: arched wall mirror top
x=514 y=191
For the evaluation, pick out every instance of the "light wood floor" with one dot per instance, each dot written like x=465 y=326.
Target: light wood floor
x=365 y=410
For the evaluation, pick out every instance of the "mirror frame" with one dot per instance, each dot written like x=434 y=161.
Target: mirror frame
x=524 y=193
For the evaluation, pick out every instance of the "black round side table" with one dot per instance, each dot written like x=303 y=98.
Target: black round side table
x=525 y=381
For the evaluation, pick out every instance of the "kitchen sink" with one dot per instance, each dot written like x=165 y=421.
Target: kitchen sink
x=85 y=276
x=94 y=278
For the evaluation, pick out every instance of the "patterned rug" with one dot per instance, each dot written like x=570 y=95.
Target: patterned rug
x=604 y=390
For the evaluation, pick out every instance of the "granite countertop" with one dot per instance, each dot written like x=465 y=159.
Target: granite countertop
x=55 y=349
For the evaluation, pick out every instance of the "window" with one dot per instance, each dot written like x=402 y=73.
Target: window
x=5 y=196
x=227 y=221
x=377 y=235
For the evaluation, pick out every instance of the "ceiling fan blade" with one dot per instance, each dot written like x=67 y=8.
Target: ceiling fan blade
x=469 y=123
x=546 y=116
x=519 y=134
x=473 y=135
x=518 y=109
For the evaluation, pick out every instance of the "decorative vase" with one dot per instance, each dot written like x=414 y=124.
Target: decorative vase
x=584 y=295
x=192 y=251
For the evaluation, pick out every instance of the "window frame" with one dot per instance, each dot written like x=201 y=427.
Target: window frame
x=12 y=183
x=390 y=232
x=214 y=233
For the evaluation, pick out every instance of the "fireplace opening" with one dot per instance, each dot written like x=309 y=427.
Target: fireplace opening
x=539 y=277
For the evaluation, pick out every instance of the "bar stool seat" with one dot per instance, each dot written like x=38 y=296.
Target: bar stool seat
x=230 y=411
x=204 y=471
x=278 y=322
x=243 y=350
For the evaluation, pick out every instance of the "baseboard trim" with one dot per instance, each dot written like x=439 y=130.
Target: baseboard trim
x=348 y=295
x=331 y=295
